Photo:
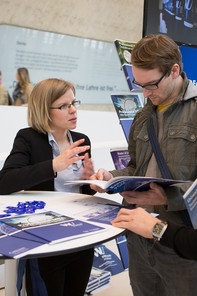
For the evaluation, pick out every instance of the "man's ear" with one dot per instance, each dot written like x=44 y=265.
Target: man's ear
x=175 y=71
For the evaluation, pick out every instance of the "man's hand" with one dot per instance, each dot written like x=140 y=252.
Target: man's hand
x=137 y=220
x=102 y=174
x=154 y=196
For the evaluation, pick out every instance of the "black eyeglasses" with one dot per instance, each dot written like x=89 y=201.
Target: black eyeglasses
x=65 y=107
x=150 y=86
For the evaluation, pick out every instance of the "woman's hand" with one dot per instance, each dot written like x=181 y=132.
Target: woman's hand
x=88 y=169
x=102 y=174
x=137 y=220
x=68 y=156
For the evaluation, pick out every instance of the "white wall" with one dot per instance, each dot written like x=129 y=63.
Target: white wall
x=11 y=120
x=96 y=19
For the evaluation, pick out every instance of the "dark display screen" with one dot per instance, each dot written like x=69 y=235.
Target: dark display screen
x=175 y=18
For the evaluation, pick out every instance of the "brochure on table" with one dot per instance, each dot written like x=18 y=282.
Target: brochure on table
x=19 y=234
x=103 y=212
x=13 y=245
x=37 y=229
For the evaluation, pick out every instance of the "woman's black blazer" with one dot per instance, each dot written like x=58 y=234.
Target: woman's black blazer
x=29 y=165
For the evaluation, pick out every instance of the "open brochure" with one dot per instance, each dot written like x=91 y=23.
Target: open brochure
x=127 y=183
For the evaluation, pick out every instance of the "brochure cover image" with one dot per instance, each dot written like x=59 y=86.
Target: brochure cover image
x=126 y=106
x=120 y=157
x=35 y=220
x=6 y=229
x=124 y=49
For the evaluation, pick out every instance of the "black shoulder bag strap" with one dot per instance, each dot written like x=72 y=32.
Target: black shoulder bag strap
x=165 y=172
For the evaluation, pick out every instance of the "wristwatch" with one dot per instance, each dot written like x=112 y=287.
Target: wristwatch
x=158 y=230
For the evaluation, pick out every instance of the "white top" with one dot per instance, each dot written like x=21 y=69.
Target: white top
x=73 y=172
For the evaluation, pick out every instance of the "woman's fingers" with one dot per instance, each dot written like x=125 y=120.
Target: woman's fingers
x=69 y=156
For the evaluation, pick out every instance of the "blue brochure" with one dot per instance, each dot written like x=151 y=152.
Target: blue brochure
x=128 y=183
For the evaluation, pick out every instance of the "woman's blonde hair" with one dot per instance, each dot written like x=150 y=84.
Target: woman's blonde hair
x=42 y=97
x=23 y=77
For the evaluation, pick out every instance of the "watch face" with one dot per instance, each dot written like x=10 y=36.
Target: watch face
x=158 y=230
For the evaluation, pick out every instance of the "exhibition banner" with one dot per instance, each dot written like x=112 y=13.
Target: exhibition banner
x=92 y=65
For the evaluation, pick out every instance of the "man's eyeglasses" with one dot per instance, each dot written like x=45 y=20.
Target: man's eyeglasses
x=65 y=107
x=150 y=86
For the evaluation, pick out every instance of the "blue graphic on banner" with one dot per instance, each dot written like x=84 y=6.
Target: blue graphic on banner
x=105 y=259
x=189 y=62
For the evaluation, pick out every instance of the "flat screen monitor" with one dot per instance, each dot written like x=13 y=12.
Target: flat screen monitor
x=175 y=18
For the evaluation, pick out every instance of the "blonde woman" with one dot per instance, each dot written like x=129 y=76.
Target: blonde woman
x=23 y=88
x=44 y=155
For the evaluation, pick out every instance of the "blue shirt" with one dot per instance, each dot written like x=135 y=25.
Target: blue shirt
x=73 y=172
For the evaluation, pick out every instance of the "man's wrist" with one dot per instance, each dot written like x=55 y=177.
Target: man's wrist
x=158 y=230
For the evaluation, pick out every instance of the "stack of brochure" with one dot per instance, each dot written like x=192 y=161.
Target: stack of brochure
x=98 y=278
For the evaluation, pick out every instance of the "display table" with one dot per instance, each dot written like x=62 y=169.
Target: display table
x=71 y=204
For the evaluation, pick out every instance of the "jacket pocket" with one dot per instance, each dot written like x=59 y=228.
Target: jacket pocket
x=142 y=147
x=141 y=134
x=182 y=146
x=183 y=132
